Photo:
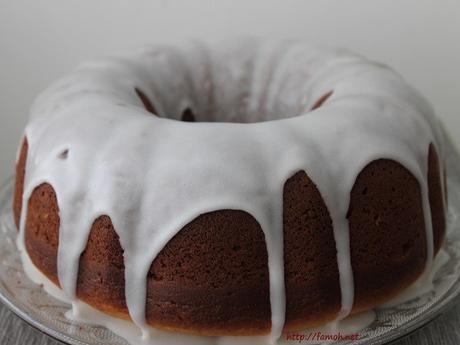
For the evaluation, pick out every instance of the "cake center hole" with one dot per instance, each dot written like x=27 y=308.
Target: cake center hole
x=189 y=115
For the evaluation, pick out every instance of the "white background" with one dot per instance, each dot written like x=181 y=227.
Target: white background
x=41 y=40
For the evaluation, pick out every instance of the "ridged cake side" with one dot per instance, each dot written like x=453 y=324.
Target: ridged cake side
x=212 y=277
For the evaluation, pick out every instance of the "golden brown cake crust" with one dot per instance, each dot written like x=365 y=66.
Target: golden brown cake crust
x=146 y=101
x=387 y=232
x=42 y=231
x=311 y=272
x=212 y=277
x=19 y=188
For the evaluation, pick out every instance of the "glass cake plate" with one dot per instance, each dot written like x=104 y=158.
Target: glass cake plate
x=30 y=302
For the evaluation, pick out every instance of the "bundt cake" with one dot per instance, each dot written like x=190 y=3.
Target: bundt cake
x=245 y=188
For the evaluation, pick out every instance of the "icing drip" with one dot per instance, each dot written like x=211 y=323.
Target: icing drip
x=91 y=138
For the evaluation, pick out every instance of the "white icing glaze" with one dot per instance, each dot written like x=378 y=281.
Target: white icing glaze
x=169 y=172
